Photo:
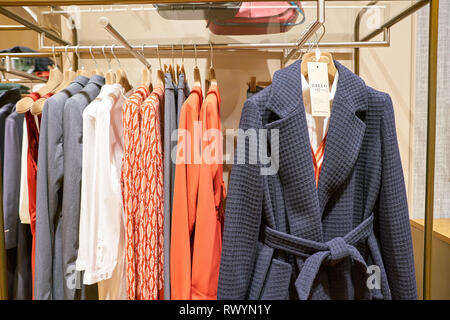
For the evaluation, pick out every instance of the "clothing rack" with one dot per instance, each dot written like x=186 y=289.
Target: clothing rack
x=293 y=47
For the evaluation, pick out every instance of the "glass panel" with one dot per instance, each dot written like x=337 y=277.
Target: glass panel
x=211 y=21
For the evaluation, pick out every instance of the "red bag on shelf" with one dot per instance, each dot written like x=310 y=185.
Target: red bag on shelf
x=259 y=18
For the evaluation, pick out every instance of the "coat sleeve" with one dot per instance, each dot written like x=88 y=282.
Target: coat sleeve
x=44 y=228
x=243 y=213
x=393 y=216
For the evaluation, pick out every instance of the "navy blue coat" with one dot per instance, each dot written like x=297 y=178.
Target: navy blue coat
x=286 y=239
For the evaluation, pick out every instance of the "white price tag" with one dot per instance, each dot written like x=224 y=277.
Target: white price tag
x=319 y=89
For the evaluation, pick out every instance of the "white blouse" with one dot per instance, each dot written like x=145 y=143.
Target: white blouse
x=101 y=252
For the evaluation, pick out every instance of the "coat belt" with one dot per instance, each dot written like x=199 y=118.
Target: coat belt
x=316 y=253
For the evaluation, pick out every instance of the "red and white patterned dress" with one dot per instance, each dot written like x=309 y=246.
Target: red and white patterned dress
x=150 y=262
x=131 y=180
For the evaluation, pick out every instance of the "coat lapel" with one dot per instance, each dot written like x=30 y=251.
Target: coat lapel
x=345 y=133
x=304 y=203
x=296 y=170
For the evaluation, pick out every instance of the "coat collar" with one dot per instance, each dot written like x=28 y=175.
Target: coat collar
x=304 y=203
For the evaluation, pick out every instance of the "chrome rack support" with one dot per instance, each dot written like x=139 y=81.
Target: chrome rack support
x=104 y=22
x=320 y=20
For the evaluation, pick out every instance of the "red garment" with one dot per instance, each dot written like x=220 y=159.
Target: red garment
x=131 y=181
x=185 y=192
x=207 y=247
x=317 y=156
x=32 y=157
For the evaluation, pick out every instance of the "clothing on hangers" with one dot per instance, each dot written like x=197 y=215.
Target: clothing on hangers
x=207 y=244
x=72 y=164
x=185 y=198
x=17 y=236
x=50 y=176
x=174 y=97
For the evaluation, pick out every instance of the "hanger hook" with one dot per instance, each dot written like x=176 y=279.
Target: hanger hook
x=68 y=58
x=79 y=58
x=173 y=59
x=106 y=58
x=182 y=54
x=115 y=57
x=159 y=58
x=323 y=34
x=149 y=66
x=212 y=54
x=195 y=52
x=54 y=57
x=93 y=58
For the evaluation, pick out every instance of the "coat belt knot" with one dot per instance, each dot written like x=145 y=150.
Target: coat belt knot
x=317 y=253
x=338 y=250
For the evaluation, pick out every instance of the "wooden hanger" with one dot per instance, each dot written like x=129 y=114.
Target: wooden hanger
x=253 y=84
x=38 y=105
x=146 y=77
x=318 y=56
x=55 y=78
x=120 y=75
x=182 y=61
x=69 y=75
x=325 y=57
x=160 y=76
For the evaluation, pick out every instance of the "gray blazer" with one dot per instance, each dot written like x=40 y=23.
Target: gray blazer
x=285 y=239
x=170 y=124
x=174 y=97
x=70 y=220
x=11 y=183
x=48 y=273
x=18 y=236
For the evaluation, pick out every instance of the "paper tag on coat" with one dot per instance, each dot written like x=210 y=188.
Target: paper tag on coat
x=319 y=89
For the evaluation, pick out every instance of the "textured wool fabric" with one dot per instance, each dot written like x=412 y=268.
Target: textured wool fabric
x=285 y=239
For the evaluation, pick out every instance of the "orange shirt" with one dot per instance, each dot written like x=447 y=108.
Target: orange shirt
x=209 y=220
x=184 y=209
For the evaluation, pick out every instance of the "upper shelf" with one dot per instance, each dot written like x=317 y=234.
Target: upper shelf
x=146 y=23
